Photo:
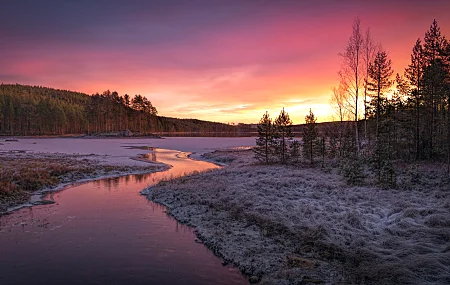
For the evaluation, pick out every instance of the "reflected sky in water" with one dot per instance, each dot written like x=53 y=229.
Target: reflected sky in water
x=105 y=232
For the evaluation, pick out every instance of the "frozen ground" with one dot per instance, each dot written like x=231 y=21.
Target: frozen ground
x=287 y=225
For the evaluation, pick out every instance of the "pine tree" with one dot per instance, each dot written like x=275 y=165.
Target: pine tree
x=283 y=135
x=383 y=154
x=11 y=115
x=434 y=89
x=403 y=119
x=434 y=44
x=264 y=142
x=2 y=116
x=414 y=73
x=380 y=72
x=310 y=137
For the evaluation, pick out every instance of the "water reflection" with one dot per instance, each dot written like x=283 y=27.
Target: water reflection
x=104 y=232
x=150 y=156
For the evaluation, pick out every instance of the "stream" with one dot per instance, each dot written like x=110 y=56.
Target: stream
x=105 y=232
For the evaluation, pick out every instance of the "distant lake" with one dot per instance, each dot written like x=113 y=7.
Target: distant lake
x=105 y=232
x=115 y=146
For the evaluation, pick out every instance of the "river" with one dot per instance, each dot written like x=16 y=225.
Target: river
x=105 y=232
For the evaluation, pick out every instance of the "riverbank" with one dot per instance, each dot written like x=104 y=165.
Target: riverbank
x=290 y=225
x=25 y=175
x=104 y=232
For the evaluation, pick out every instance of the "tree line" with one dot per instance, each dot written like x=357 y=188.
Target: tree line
x=36 y=110
x=276 y=143
x=406 y=116
x=382 y=118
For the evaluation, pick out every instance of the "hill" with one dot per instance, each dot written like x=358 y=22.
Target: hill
x=36 y=110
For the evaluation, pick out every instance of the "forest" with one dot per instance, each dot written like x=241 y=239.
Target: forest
x=382 y=119
x=35 y=110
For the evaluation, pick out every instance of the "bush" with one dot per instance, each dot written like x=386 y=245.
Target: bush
x=352 y=170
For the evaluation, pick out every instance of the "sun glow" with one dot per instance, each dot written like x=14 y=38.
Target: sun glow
x=229 y=67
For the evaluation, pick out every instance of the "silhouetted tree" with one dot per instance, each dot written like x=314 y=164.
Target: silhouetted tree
x=283 y=135
x=369 y=53
x=352 y=71
x=264 y=141
x=339 y=104
x=310 y=137
x=380 y=72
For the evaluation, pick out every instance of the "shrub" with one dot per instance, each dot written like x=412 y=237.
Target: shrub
x=352 y=170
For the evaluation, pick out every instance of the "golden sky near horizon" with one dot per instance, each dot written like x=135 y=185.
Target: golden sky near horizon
x=225 y=61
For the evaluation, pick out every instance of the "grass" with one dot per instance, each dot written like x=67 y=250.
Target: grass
x=302 y=225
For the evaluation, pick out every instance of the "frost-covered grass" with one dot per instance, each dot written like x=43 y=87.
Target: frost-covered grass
x=294 y=225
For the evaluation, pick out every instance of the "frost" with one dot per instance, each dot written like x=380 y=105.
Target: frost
x=261 y=218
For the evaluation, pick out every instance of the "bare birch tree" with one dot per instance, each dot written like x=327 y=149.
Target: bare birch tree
x=370 y=49
x=351 y=73
x=339 y=103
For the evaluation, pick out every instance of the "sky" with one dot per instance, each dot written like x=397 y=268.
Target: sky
x=218 y=60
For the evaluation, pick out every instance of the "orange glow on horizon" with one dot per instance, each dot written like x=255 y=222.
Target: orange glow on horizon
x=233 y=72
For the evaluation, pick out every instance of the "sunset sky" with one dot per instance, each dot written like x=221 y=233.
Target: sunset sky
x=226 y=61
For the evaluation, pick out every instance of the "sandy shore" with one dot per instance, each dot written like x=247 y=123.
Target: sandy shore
x=291 y=225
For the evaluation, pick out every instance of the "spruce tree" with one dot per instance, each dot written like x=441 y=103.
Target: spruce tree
x=264 y=141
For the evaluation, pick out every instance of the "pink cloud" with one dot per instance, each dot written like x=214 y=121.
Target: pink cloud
x=231 y=72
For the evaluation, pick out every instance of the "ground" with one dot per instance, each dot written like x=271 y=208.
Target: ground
x=305 y=225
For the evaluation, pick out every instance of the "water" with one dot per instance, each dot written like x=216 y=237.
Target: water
x=104 y=232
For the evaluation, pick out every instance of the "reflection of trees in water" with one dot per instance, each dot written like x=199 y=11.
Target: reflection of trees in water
x=150 y=156
x=138 y=178
x=149 y=178
x=112 y=183
x=116 y=182
x=181 y=227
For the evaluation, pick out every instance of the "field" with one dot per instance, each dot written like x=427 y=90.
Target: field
x=302 y=225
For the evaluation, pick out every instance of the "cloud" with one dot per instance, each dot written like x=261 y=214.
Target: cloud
x=222 y=60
